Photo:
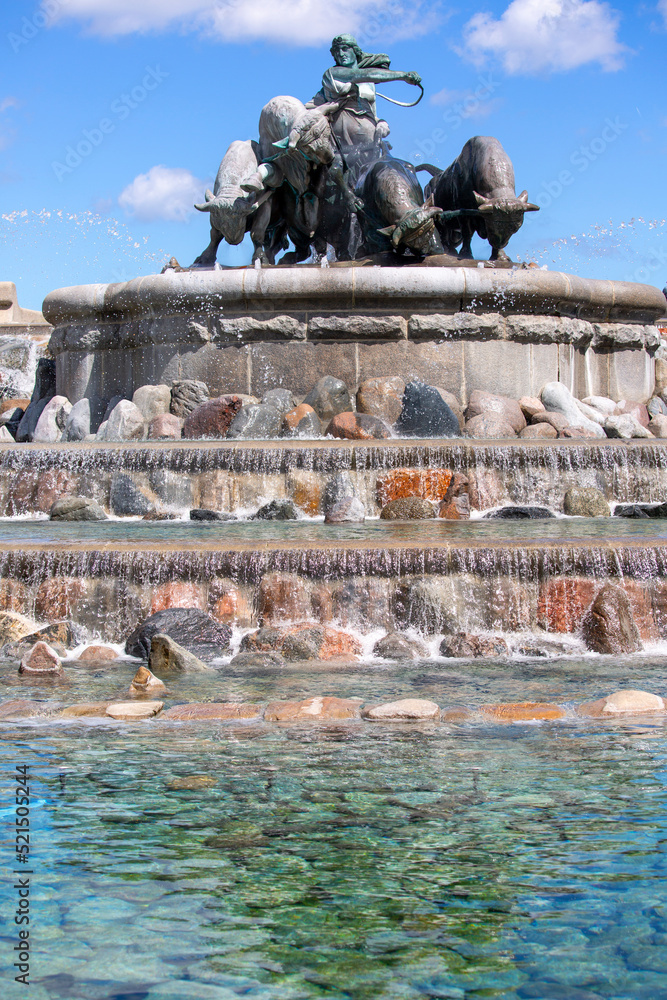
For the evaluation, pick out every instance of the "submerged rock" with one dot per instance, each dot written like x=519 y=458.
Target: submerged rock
x=97 y=654
x=268 y=660
x=408 y=509
x=328 y=397
x=585 y=501
x=628 y=702
x=128 y=711
x=145 y=683
x=425 y=414
x=608 y=625
x=225 y=711
x=277 y=510
x=523 y=711
x=519 y=513
x=346 y=511
x=465 y=644
x=86 y=710
x=41 y=659
x=640 y=510
x=202 y=514
x=358 y=427
x=395 y=646
x=189 y=627
x=405 y=710
x=167 y=657
x=313 y=710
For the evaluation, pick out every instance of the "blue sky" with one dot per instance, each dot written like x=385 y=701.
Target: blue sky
x=151 y=92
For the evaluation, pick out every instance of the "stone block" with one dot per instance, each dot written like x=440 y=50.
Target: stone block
x=500 y=367
x=244 y=329
x=299 y=366
x=224 y=368
x=357 y=327
x=456 y=326
x=436 y=364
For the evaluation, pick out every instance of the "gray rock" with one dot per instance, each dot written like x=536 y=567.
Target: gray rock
x=338 y=488
x=45 y=380
x=488 y=426
x=426 y=605
x=263 y=661
x=658 y=426
x=349 y=510
x=656 y=407
x=591 y=412
x=5 y=436
x=167 y=657
x=125 y=423
x=281 y=399
x=557 y=398
x=303 y=645
x=519 y=513
x=257 y=422
x=625 y=426
x=425 y=414
x=186 y=395
x=111 y=406
x=152 y=400
x=28 y=422
x=51 y=424
x=603 y=404
x=471 y=646
x=407 y=509
x=189 y=627
x=395 y=646
x=309 y=427
x=640 y=510
x=585 y=501
x=172 y=488
x=126 y=499
x=77 y=425
x=76 y=509
x=202 y=514
x=608 y=626
x=328 y=397
x=277 y=510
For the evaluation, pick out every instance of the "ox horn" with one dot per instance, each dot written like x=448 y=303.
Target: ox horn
x=484 y=205
x=527 y=205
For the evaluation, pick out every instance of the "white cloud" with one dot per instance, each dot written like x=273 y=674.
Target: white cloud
x=298 y=22
x=9 y=102
x=537 y=36
x=164 y=193
x=662 y=7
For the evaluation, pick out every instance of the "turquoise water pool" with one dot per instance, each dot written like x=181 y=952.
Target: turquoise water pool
x=362 y=861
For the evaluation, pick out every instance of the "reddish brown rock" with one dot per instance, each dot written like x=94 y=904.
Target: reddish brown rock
x=177 y=594
x=97 y=654
x=58 y=597
x=562 y=602
x=465 y=644
x=577 y=432
x=145 y=684
x=212 y=419
x=455 y=505
x=41 y=660
x=556 y=420
x=621 y=703
x=13 y=404
x=13 y=595
x=21 y=490
x=637 y=410
x=313 y=710
x=381 y=397
x=165 y=427
x=408 y=509
x=213 y=711
x=488 y=425
x=487 y=404
x=358 y=427
x=293 y=417
x=230 y=604
x=282 y=597
x=305 y=489
x=542 y=432
x=51 y=486
x=304 y=640
x=523 y=711
x=429 y=484
x=641 y=604
x=608 y=625
x=530 y=405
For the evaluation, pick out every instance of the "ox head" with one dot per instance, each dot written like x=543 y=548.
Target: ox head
x=311 y=136
x=503 y=217
x=415 y=229
x=230 y=210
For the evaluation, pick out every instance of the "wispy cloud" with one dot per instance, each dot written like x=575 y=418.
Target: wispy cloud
x=538 y=36
x=163 y=193
x=9 y=102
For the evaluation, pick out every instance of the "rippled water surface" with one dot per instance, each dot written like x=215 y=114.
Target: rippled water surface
x=353 y=861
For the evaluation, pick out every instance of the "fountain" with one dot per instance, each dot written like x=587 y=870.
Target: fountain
x=371 y=644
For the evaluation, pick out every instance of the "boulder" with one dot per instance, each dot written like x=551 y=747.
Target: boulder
x=455 y=505
x=51 y=424
x=555 y=420
x=407 y=509
x=212 y=419
x=145 y=683
x=165 y=427
x=9 y=406
x=347 y=511
x=424 y=414
x=328 y=397
x=223 y=711
x=640 y=510
x=636 y=410
x=486 y=403
x=41 y=659
x=658 y=426
x=519 y=513
x=429 y=484
x=152 y=400
x=425 y=604
x=452 y=402
x=313 y=710
x=167 y=657
x=405 y=710
x=465 y=644
x=357 y=427
x=277 y=510
x=28 y=422
x=257 y=660
x=530 y=405
x=621 y=703
x=337 y=488
x=395 y=646
x=523 y=711
x=625 y=426
x=539 y=432
x=256 y=422
x=381 y=397
x=585 y=501
x=308 y=427
x=110 y=407
x=125 y=423
x=305 y=488
x=86 y=710
x=126 y=499
x=597 y=416
x=282 y=597
x=5 y=436
x=656 y=407
x=281 y=400
x=488 y=426
x=608 y=625
x=292 y=418
x=62 y=633
x=303 y=640
x=603 y=404
x=557 y=398
x=189 y=627
x=14 y=627
x=24 y=708
x=77 y=425
x=130 y=711
x=97 y=654
x=202 y=514
x=576 y=432
x=45 y=379
x=76 y=509
x=186 y=395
